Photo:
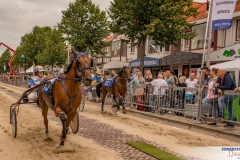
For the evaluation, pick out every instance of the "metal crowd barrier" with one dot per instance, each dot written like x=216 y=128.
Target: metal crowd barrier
x=185 y=101
x=17 y=82
x=188 y=102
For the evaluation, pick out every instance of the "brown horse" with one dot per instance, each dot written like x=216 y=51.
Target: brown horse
x=66 y=96
x=118 y=89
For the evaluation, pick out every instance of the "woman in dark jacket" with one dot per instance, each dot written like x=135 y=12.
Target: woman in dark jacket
x=181 y=93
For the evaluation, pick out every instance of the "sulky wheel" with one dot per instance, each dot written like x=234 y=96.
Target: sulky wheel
x=75 y=124
x=81 y=106
x=14 y=122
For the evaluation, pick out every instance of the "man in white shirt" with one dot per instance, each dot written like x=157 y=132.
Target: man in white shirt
x=191 y=81
x=159 y=85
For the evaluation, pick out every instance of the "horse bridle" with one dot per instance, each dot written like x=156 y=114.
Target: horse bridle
x=125 y=77
x=80 y=72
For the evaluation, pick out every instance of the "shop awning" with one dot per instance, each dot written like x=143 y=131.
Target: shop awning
x=114 y=64
x=148 y=62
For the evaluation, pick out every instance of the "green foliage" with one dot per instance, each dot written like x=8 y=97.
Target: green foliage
x=84 y=25
x=43 y=46
x=55 y=51
x=4 y=59
x=164 y=21
x=153 y=151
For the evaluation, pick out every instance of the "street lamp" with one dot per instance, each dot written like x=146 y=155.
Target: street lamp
x=24 y=62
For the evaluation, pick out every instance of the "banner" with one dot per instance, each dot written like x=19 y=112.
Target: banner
x=222 y=13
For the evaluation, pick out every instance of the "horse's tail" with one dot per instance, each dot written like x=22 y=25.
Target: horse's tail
x=98 y=89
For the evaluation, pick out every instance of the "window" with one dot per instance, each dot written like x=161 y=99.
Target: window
x=124 y=49
x=187 y=42
x=238 y=31
x=133 y=48
x=152 y=47
x=167 y=48
x=116 y=48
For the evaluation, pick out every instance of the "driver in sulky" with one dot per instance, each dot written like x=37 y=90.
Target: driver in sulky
x=34 y=81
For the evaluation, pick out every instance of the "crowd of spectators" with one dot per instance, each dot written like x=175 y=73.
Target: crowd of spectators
x=210 y=86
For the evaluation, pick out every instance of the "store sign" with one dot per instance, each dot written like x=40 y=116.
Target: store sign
x=148 y=62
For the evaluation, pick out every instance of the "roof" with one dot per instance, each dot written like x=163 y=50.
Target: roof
x=109 y=39
x=203 y=13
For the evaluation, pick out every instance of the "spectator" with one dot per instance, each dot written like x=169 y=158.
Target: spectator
x=191 y=82
x=159 y=86
x=169 y=79
x=181 y=93
x=137 y=83
x=204 y=81
x=172 y=74
x=225 y=82
x=148 y=79
x=137 y=70
x=211 y=99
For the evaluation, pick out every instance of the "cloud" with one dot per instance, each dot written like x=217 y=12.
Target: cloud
x=18 y=17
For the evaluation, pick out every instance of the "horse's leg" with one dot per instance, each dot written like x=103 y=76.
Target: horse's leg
x=104 y=94
x=44 y=114
x=123 y=105
x=44 y=107
x=62 y=117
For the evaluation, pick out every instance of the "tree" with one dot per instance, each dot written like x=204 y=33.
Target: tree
x=84 y=26
x=4 y=61
x=54 y=53
x=31 y=45
x=164 y=21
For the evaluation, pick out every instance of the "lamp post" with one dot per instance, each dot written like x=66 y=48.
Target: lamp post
x=24 y=62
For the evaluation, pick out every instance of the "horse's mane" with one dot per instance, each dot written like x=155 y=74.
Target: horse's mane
x=121 y=71
x=68 y=67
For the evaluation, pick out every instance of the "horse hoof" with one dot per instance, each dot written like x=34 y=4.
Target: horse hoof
x=61 y=143
x=46 y=135
x=124 y=111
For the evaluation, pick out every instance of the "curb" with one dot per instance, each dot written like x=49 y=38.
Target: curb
x=187 y=125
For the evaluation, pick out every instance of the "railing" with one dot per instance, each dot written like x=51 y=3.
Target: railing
x=17 y=82
x=188 y=102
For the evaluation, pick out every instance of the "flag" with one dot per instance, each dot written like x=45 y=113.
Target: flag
x=4 y=66
x=222 y=14
x=156 y=48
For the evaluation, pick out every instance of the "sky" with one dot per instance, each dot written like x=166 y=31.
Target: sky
x=18 y=17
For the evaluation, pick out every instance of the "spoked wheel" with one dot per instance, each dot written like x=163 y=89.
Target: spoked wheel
x=75 y=124
x=81 y=106
x=11 y=114
x=14 y=122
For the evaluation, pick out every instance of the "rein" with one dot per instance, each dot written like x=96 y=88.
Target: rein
x=79 y=78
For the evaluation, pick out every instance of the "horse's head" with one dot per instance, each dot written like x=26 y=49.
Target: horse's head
x=126 y=72
x=82 y=66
